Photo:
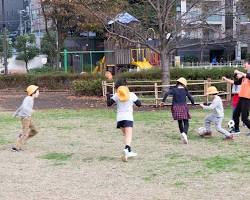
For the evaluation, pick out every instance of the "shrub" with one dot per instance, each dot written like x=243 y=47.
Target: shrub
x=60 y=81
x=87 y=88
x=191 y=74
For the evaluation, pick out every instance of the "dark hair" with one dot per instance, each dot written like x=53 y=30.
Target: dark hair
x=120 y=82
x=178 y=83
x=235 y=77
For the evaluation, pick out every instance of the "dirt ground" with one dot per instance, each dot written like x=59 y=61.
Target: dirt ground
x=76 y=156
x=10 y=100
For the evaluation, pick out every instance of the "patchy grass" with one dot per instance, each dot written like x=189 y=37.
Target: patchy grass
x=84 y=148
x=57 y=156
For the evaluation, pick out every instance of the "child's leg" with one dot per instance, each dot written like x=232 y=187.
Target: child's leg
x=128 y=137
x=25 y=133
x=181 y=128
x=33 y=130
x=236 y=115
x=208 y=120
x=186 y=125
x=218 y=122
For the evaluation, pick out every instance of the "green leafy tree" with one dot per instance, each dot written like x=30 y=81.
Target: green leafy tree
x=26 y=48
x=47 y=47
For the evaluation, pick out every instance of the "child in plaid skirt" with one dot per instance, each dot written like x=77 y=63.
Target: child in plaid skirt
x=180 y=111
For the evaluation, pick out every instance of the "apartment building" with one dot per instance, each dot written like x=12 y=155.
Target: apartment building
x=221 y=36
x=12 y=10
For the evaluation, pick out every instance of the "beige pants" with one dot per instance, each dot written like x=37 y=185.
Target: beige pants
x=28 y=131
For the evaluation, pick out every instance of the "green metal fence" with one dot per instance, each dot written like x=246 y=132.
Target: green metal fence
x=79 y=61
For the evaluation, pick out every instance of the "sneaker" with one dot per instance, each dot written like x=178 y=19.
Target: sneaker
x=132 y=154
x=231 y=137
x=14 y=149
x=125 y=156
x=184 y=138
x=235 y=132
x=206 y=134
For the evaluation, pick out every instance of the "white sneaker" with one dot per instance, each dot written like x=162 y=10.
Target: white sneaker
x=125 y=155
x=132 y=154
x=184 y=138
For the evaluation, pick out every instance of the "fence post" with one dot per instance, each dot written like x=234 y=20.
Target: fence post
x=156 y=94
x=113 y=87
x=229 y=92
x=103 y=89
x=205 y=90
x=65 y=60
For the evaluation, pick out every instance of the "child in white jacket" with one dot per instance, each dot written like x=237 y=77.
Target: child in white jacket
x=216 y=116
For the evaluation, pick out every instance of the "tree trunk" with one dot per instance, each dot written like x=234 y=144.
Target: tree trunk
x=26 y=66
x=165 y=67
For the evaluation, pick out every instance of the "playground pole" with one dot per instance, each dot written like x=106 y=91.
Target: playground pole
x=65 y=61
x=91 y=62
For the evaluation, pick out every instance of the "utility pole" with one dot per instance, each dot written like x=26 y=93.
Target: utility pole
x=4 y=40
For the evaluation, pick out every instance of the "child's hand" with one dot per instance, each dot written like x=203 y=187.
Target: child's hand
x=237 y=71
x=224 y=78
x=162 y=104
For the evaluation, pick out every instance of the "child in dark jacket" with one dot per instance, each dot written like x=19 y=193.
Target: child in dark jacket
x=180 y=111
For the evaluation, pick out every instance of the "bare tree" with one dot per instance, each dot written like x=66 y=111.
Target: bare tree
x=172 y=27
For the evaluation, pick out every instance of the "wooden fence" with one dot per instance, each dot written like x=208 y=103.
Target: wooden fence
x=151 y=92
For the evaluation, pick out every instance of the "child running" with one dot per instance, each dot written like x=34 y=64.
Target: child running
x=179 y=108
x=25 y=112
x=124 y=100
x=216 y=116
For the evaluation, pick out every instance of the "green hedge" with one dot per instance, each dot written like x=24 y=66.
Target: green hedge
x=50 y=81
x=87 y=88
x=191 y=74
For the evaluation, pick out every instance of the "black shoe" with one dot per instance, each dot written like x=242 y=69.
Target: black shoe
x=14 y=149
x=234 y=131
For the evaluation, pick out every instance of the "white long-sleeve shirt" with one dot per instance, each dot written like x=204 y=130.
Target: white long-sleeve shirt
x=216 y=106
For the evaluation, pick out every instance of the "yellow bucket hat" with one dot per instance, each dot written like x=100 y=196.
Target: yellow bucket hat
x=183 y=81
x=31 y=89
x=123 y=93
x=212 y=90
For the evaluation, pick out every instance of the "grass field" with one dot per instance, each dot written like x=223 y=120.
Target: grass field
x=77 y=156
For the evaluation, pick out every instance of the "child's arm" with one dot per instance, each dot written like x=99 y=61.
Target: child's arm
x=190 y=97
x=138 y=103
x=212 y=106
x=227 y=80
x=136 y=100
x=110 y=101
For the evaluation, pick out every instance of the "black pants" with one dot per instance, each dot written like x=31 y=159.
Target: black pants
x=243 y=110
x=183 y=125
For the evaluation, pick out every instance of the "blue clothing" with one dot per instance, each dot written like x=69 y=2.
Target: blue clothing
x=179 y=96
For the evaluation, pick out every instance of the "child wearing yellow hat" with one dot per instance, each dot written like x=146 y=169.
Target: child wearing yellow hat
x=25 y=112
x=180 y=111
x=124 y=99
x=216 y=116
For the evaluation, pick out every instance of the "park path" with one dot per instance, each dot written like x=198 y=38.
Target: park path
x=10 y=100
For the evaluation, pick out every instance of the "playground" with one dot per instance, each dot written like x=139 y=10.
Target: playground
x=76 y=155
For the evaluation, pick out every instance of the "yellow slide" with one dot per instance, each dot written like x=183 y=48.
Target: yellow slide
x=142 y=65
x=100 y=67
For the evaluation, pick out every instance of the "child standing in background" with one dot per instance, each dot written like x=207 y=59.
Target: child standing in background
x=180 y=111
x=25 y=112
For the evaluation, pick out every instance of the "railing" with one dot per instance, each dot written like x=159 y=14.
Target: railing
x=210 y=65
x=151 y=92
